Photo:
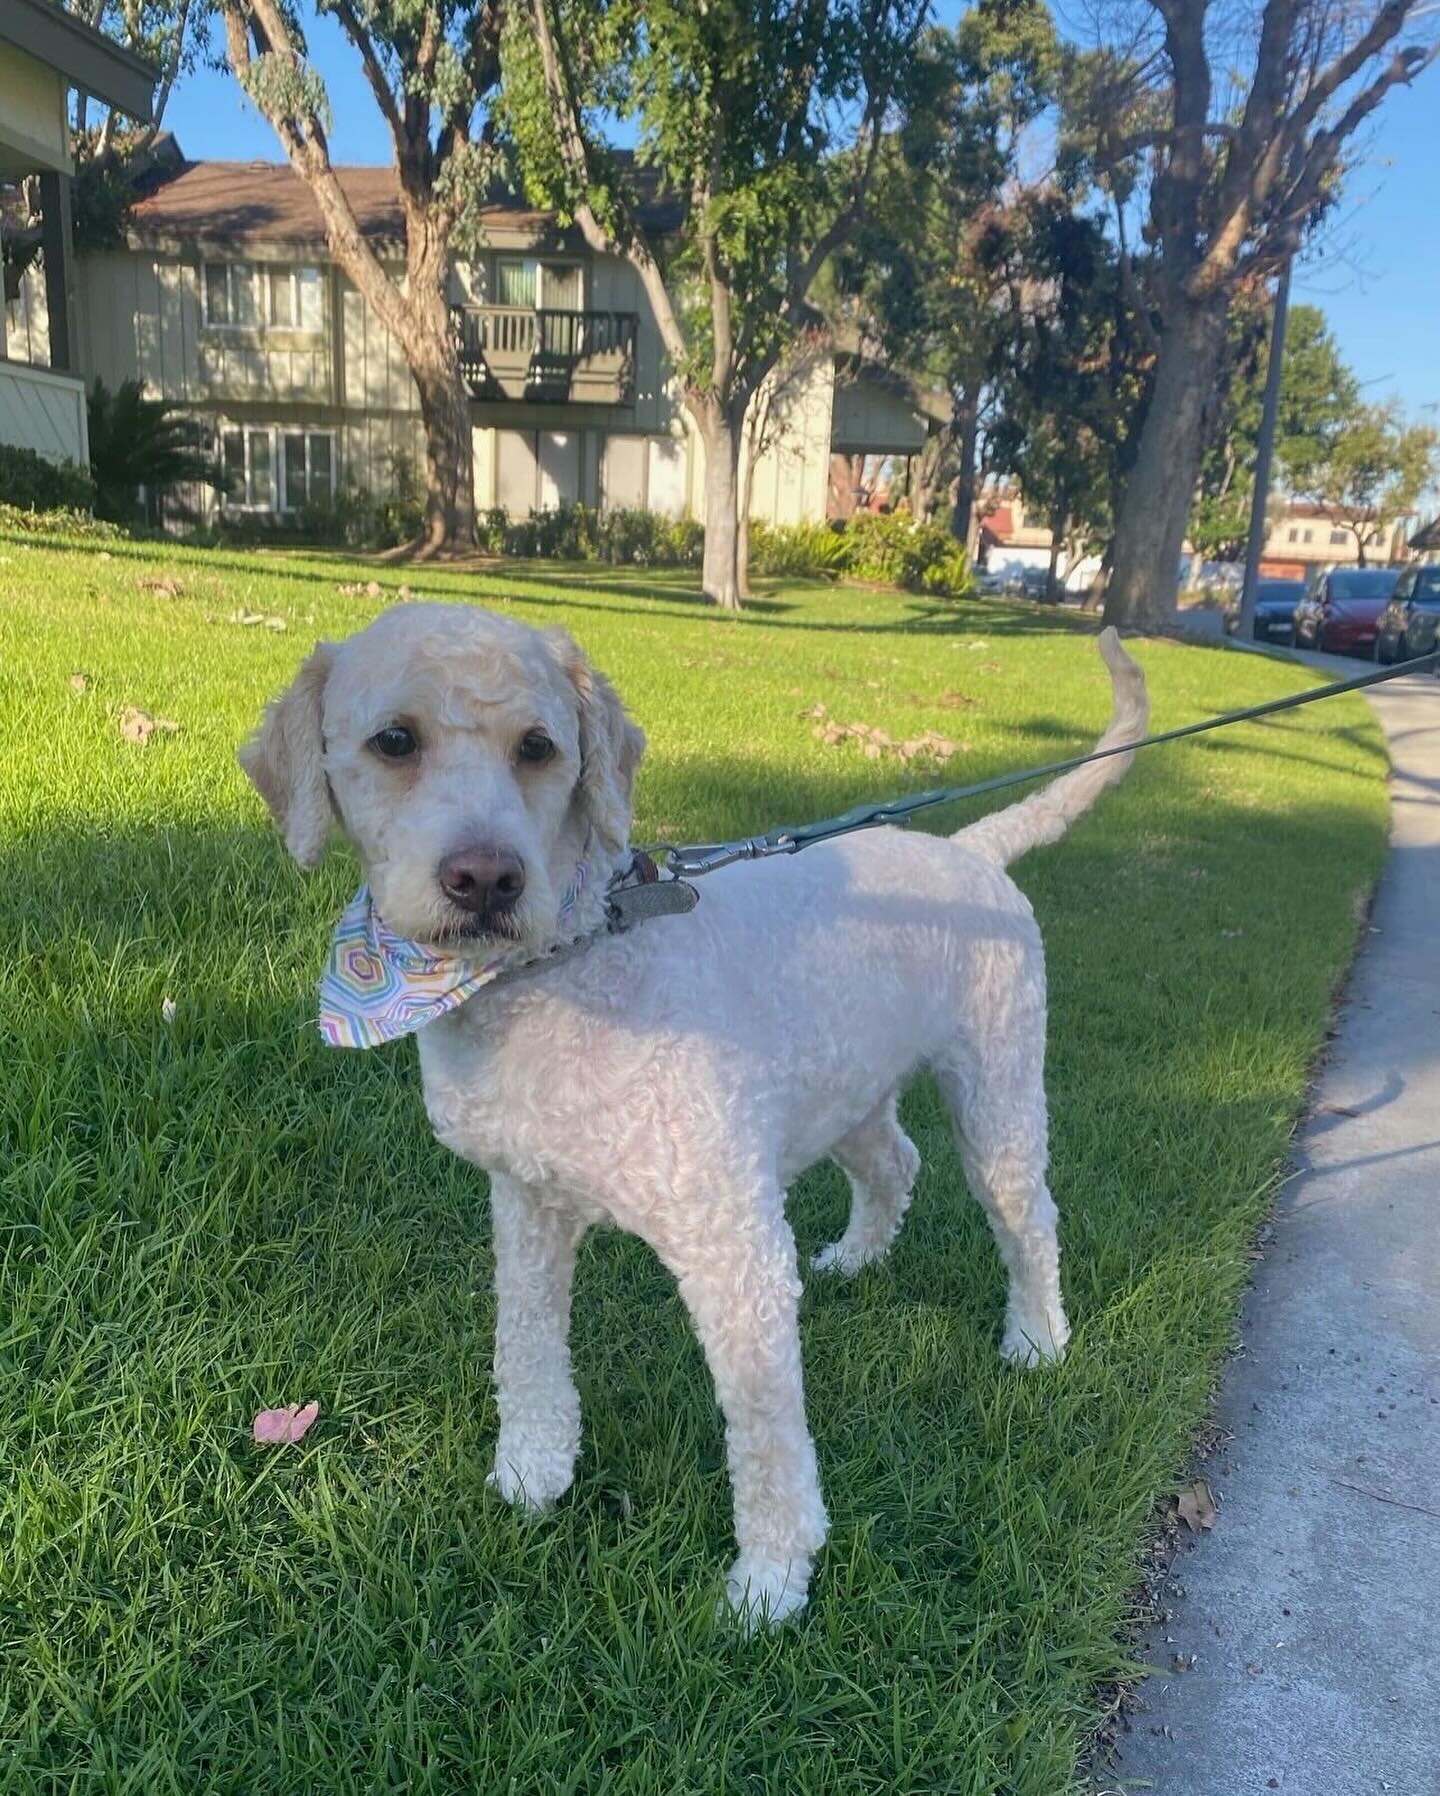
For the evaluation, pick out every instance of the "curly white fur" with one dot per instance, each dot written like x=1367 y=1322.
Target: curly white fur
x=675 y=1080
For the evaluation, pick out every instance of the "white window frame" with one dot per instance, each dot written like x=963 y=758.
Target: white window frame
x=282 y=458
x=276 y=434
x=256 y=272
x=542 y=267
x=292 y=277
x=247 y=432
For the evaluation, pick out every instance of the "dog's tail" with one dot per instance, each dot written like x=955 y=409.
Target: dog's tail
x=1045 y=816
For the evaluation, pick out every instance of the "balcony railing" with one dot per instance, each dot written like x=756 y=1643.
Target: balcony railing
x=549 y=356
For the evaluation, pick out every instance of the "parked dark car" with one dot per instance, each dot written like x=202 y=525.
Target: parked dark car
x=1410 y=623
x=1275 y=602
x=1341 y=614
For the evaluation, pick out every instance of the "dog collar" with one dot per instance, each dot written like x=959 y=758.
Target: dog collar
x=378 y=986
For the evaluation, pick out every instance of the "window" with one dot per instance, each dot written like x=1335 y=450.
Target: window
x=1338 y=538
x=276 y=470
x=296 y=299
x=309 y=463
x=551 y=286
x=1309 y=536
x=248 y=453
x=1294 y=533
x=231 y=296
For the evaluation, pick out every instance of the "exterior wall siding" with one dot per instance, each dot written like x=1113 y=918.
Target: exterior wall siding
x=43 y=411
x=142 y=317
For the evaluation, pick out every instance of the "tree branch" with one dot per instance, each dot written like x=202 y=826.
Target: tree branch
x=305 y=146
x=356 y=31
x=575 y=155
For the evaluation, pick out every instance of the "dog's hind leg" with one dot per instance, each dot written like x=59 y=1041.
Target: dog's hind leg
x=881 y=1162
x=997 y=1103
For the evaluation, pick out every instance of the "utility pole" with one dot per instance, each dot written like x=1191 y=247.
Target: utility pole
x=1264 y=453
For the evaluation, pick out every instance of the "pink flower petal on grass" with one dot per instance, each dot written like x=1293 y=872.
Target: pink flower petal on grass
x=277 y=1427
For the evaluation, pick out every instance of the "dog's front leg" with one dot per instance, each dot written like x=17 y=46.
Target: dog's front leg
x=534 y=1389
x=742 y=1290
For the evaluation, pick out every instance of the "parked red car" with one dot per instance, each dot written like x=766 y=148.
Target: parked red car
x=1341 y=613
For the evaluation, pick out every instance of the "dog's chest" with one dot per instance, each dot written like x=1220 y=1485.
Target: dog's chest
x=539 y=1092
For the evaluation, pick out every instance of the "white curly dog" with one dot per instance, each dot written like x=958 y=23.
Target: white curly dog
x=674 y=1079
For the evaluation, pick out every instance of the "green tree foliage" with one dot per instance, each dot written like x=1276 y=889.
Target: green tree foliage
x=925 y=281
x=1318 y=397
x=1074 y=376
x=1373 y=471
x=1224 y=135
x=763 y=121
x=430 y=66
x=137 y=442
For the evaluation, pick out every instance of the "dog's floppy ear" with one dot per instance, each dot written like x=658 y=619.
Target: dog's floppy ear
x=285 y=760
x=610 y=746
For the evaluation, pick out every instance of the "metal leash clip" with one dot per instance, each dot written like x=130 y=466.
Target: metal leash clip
x=709 y=856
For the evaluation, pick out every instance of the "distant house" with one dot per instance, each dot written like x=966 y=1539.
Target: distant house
x=224 y=299
x=1302 y=536
x=44 y=52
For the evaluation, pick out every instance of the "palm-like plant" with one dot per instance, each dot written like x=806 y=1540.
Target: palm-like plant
x=137 y=442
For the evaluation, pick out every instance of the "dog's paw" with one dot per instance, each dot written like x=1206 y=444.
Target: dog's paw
x=764 y=1592
x=842 y=1258
x=1034 y=1341
x=532 y=1483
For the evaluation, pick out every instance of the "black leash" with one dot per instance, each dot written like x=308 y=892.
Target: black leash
x=690 y=862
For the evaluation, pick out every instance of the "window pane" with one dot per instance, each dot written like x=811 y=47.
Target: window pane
x=517 y=283
x=1338 y=537
x=242 y=294
x=322 y=478
x=561 y=288
x=311 y=302
x=282 y=298
x=262 y=484
x=217 y=299
x=294 y=470
x=233 y=451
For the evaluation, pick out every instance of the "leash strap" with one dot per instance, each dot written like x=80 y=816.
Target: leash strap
x=707 y=857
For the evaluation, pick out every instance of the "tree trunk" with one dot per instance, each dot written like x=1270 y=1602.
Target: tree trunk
x=967 y=429
x=1052 y=573
x=719 y=576
x=449 y=456
x=749 y=457
x=1150 y=528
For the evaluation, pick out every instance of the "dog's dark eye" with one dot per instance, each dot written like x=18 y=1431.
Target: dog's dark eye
x=535 y=747
x=395 y=742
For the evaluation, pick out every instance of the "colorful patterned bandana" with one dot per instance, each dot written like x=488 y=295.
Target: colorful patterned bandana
x=378 y=986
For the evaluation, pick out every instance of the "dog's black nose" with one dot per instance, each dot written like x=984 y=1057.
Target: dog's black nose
x=484 y=880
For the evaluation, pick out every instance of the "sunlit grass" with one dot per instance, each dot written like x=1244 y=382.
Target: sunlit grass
x=201 y=1218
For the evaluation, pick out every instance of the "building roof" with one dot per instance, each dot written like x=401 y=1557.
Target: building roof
x=226 y=203
x=84 y=56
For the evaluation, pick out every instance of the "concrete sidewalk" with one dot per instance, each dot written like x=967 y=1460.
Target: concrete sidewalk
x=1308 y=1619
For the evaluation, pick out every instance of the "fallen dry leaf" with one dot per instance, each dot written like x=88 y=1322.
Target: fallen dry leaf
x=139 y=726
x=1338 y=1110
x=368 y=589
x=278 y=1427
x=79 y=682
x=164 y=585
x=167 y=1010
x=1196 y=1506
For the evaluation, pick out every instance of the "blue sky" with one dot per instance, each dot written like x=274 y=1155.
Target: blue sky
x=1376 y=274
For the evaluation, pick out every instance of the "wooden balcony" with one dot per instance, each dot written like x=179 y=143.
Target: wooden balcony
x=547 y=357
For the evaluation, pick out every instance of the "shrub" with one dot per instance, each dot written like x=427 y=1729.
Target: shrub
x=818 y=549
x=138 y=442
x=28 y=482
x=894 y=549
x=572 y=532
x=61 y=522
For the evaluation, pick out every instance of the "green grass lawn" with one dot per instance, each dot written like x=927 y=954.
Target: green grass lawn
x=203 y=1217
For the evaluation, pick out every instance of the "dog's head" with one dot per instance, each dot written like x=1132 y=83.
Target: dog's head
x=472 y=760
